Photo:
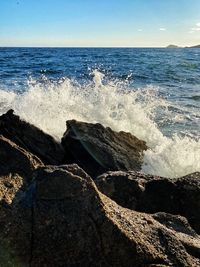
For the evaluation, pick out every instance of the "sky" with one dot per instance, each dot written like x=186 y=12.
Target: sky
x=99 y=23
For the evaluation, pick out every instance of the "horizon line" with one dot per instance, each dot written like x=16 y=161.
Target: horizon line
x=90 y=46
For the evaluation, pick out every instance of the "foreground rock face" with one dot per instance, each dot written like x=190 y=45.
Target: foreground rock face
x=152 y=194
x=68 y=222
x=31 y=138
x=98 y=149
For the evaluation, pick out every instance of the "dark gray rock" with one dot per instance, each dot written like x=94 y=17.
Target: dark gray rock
x=151 y=194
x=31 y=138
x=98 y=149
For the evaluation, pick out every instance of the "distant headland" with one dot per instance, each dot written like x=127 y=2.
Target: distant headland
x=175 y=46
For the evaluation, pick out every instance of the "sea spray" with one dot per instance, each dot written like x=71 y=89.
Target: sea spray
x=48 y=104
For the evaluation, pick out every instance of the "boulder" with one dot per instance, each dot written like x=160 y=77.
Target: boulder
x=98 y=149
x=151 y=194
x=31 y=138
x=68 y=222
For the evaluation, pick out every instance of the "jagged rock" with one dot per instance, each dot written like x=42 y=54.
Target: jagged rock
x=98 y=149
x=153 y=194
x=31 y=138
x=74 y=225
x=16 y=160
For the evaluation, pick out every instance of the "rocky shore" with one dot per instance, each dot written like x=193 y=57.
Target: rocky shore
x=84 y=202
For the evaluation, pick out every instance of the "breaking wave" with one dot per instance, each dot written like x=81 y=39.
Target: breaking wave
x=48 y=104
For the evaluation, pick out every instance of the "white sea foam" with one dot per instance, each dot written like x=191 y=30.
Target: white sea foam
x=49 y=104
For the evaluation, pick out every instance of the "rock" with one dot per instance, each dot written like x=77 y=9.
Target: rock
x=151 y=194
x=73 y=224
x=15 y=222
x=10 y=186
x=174 y=222
x=160 y=195
x=188 y=193
x=124 y=187
x=186 y=234
x=16 y=160
x=98 y=149
x=16 y=174
x=176 y=196
x=31 y=138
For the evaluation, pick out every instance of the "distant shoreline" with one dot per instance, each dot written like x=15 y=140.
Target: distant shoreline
x=175 y=46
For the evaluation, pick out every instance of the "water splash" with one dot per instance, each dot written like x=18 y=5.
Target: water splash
x=48 y=104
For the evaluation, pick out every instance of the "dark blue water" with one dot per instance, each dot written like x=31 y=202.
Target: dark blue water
x=151 y=92
x=175 y=71
x=177 y=68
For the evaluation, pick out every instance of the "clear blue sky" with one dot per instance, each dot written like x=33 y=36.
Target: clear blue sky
x=99 y=22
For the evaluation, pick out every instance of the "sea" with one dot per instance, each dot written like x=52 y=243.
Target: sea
x=153 y=93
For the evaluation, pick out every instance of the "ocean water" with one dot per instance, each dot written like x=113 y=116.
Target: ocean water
x=154 y=93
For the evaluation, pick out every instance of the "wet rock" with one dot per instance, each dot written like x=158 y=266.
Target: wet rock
x=31 y=138
x=98 y=149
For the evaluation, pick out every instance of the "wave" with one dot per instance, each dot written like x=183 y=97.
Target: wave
x=48 y=104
